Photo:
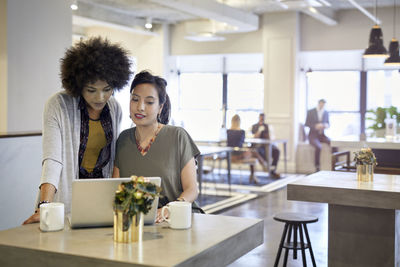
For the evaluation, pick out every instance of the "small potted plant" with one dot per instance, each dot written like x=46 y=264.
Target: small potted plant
x=132 y=200
x=365 y=161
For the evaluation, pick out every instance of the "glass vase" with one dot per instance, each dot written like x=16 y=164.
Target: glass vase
x=365 y=172
x=128 y=229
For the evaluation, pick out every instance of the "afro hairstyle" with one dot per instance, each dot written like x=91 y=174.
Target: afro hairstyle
x=91 y=60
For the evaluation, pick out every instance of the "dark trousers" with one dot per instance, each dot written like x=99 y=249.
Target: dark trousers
x=316 y=140
x=275 y=154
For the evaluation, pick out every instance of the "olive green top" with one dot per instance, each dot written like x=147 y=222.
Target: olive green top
x=169 y=153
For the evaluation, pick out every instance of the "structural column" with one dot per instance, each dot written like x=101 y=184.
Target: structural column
x=280 y=49
x=3 y=65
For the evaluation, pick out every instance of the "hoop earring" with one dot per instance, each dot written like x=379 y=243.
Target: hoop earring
x=158 y=117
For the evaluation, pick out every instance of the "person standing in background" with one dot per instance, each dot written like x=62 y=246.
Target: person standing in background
x=318 y=120
x=261 y=130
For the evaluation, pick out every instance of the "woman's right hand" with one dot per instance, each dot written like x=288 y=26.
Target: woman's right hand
x=35 y=218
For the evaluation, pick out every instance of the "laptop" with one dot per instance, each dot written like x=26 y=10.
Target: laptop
x=93 y=199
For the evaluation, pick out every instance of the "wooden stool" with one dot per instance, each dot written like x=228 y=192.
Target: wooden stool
x=296 y=222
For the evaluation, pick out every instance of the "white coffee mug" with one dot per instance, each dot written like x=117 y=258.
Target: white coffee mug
x=52 y=216
x=180 y=214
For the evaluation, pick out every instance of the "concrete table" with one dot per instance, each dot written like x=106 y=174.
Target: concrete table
x=353 y=141
x=364 y=221
x=213 y=240
x=387 y=151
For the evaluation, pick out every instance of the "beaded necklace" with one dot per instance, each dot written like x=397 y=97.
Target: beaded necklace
x=142 y=150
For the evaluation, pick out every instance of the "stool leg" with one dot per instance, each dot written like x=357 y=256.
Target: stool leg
x=295 y=242
x=281 y=245
x=303 y=251
x=288 y=241
x=309 y=244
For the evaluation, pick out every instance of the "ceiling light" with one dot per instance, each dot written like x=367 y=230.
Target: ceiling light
x=394 y=58
x=74 y=5
x=375 y=45
x=148 y=24
x=312 y=9
x=205 y=37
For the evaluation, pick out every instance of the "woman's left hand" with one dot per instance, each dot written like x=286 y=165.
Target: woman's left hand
x=159 y=218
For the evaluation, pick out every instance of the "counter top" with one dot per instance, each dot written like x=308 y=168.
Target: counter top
x=372 y=142
x=364 y=217
x=213 y=240
x=342 y=188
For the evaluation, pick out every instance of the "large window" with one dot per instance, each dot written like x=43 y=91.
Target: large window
x=383 y=89
x=341 y=90
x=201 y=104
x=123 y=97
x=245 y=97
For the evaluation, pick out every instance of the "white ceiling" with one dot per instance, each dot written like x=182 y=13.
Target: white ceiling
x=240 y=14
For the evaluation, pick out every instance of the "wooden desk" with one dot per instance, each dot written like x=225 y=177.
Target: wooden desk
x=364 y=221
x=213 y=240
x=209 y=151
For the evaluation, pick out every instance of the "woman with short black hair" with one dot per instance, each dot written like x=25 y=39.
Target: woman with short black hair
x=154 y=148
x=81 y=123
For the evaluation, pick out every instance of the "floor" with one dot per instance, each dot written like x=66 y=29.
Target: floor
x=264 y=208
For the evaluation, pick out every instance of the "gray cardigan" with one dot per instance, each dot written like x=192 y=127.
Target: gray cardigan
x=61 y=140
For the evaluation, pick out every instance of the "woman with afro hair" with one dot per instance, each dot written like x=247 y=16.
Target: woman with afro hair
x=81 y=123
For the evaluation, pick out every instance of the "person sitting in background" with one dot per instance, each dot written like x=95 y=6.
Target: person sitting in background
x=235 y=138
x=153 y=148
x=261 y=130
x=81 y=124
x=318 y=120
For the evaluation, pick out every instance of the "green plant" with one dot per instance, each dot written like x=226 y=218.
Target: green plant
x=134 y=197
x=365 y=157
x=379 y=115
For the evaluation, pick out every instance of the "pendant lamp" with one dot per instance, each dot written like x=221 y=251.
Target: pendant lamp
x=394 y=57
x=375 y=46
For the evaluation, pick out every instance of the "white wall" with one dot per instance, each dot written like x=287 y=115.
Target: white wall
x=352 y=31
x=20 y=170
x=3 y=65
x=38 y=32
x=235 y=43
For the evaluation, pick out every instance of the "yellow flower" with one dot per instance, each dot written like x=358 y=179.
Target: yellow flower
x=138 y=195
